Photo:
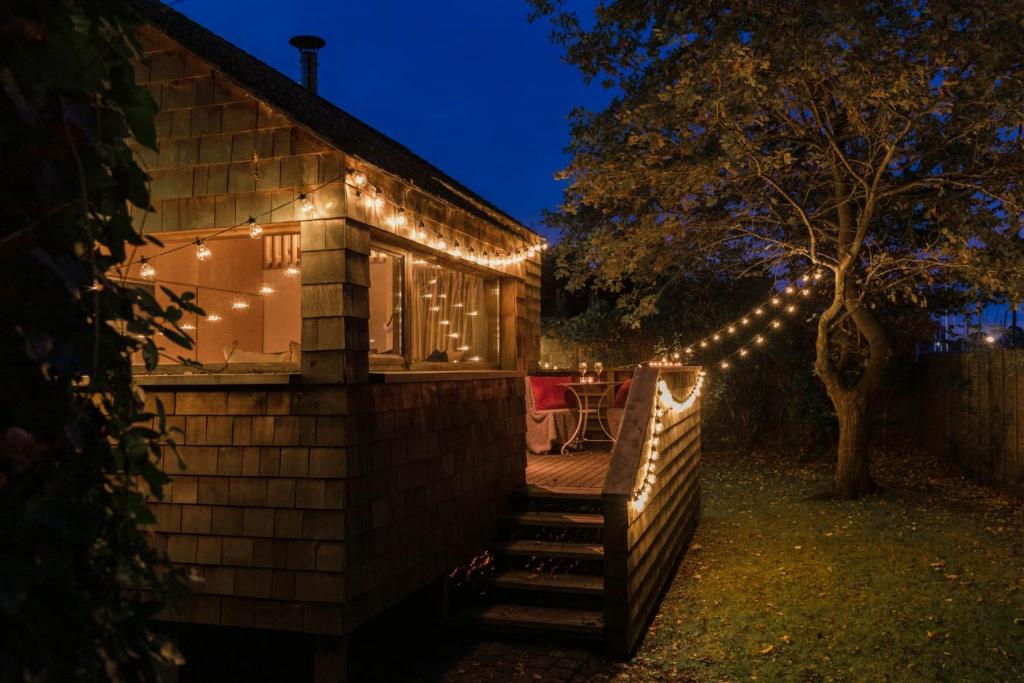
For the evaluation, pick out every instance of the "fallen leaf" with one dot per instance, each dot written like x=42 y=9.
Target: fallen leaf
x=786 y=639
x=765 y=650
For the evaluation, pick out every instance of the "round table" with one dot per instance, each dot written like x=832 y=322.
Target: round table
x=586 y=394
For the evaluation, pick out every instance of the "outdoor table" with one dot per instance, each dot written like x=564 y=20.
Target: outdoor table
x=589 y=396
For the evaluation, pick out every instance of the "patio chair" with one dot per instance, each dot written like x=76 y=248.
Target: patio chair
x=550 y=419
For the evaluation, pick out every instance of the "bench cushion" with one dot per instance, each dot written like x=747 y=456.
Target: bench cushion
x=548 y=394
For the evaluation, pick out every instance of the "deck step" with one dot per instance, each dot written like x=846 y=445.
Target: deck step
x=577 y=584
x=575 y=520
x=540 y=620
x=562 y=493
x=575 y=551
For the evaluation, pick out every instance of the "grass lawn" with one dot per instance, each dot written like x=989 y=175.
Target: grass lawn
x=924 y=582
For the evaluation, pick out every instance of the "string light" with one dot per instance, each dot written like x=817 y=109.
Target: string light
x=240 y=305
x=255 y=229
x=358 y=178
x=213 y=317
x=292 y=271
x=664 y=402
x=373 y=197
x=266 y=290
x=188 y=327
x=203 y=252
x=146 y=270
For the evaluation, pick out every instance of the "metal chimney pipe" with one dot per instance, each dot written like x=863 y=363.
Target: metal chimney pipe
x=308 y=47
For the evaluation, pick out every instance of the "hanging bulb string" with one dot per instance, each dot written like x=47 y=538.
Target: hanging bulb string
x=247 y=223
x=801 y=286
x=665 y=401
x=418 y=233
x=500 y=258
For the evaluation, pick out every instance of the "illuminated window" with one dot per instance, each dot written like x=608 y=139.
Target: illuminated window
x=453 y=315
x=385 y=302
x=249 y=289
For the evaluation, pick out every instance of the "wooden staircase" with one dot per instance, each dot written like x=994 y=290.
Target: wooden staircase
x=547 y=577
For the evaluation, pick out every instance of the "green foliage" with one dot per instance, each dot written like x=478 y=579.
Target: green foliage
x=877 y=142
x=78 y=448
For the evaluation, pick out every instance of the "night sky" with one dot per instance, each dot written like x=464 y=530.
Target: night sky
x=469 y=85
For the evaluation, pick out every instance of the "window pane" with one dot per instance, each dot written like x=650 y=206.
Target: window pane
x=249 y=290
x=385 y=302
x=454 y=315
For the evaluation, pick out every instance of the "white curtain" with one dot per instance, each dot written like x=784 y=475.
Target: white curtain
x=449 y=315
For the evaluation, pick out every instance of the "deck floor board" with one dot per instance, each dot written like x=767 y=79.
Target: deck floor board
x=584 y=470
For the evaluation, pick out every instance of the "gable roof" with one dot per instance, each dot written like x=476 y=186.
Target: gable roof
x=329 y=122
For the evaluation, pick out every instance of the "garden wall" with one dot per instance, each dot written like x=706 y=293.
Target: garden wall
x=971 y=408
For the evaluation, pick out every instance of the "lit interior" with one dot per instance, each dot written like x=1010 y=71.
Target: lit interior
x=249 y=290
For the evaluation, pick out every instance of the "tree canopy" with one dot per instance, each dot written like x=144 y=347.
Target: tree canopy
x=879 y=142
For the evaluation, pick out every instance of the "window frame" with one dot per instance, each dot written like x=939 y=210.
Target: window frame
x=404 y=362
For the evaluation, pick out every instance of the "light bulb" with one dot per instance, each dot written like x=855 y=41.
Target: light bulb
x=291 y=271
x=400 y=219
x=188 y=326
x=306 y=203
x=203 y=252
x=759 y=311
x=731 y=330
x=146 y=270
x=790 y=309
x=703 y=344
x=421 y=232
x=805 y=292
x=439 y=243
x=240 y=305
x=776 y=324
x=213 y=317
x=759 y=339
x=724 y=364
x=775 y=301
x=358 y=178
x=790 y=289
x=445 y=323
x=990 y=338
x=689 y=350
x=743 y=352
x=745 y=321
x=466 y=348
x=255 y=229
x=456 y=250
x=717 y=337
x=266 y=290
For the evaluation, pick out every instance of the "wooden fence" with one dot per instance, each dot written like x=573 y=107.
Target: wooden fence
x=643 y=544
x=971 y=408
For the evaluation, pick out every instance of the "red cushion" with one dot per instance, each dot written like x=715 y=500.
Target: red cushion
x=621 y=394
x=548 y=392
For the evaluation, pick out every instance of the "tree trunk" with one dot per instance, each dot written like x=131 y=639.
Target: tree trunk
x=853 y=470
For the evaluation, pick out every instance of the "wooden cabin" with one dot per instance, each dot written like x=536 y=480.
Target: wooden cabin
x=356 y=430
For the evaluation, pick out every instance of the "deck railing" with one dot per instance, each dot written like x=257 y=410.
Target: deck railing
x=649 y=520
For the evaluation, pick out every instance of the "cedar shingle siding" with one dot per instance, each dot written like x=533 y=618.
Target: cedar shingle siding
x=313 y=506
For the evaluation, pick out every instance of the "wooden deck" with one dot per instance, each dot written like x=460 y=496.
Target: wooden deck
x=582 y=472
